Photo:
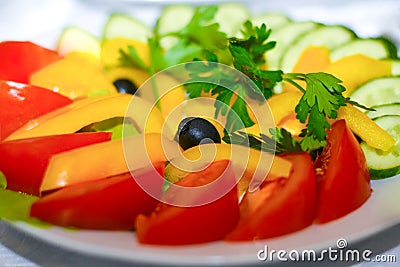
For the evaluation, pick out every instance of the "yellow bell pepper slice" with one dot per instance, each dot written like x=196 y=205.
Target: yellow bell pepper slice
x=283 y=104
x=357 y=69
x=110 y=51
x=104 y=160
x=252 y=161
x=75 y=116
x=366 y=128
x=312 y=59
x=86 y=58
x=136 y=76
x=73 y=77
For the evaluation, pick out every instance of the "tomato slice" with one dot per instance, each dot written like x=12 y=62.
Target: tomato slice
x=21 y=103
x=105 y=204
x=280 y=206
x=19 y=59
x=344 y=181
x=178 y=225
x=24 y=161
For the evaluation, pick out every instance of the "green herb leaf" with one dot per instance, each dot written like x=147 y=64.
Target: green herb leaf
x=321 y=100
x=247 y=57
x=201 y=31
x=182 y=52
x=284 y=141
x=131 y=58
x=281 y=141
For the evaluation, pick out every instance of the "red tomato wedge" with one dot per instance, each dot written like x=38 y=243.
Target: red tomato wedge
x=19 y=59
x=177 y=225
x=21 y=103
x=24 y=161
x=343 y=177
x=105 y=204
x=280 y=206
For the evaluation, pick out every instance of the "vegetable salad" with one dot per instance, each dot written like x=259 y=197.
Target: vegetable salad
x=75 y=114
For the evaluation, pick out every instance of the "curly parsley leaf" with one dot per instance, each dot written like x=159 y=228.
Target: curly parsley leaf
x=201 y=31
x=321 y=100
x=248 y=57
x=284 y=141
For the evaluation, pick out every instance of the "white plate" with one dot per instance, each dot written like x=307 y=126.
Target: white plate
x=57 y=245
x=380 y=212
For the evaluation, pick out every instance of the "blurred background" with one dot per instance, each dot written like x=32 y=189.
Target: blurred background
x=41 y=21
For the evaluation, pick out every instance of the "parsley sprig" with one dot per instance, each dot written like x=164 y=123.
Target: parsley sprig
x=198 y=36
x=322 y=95
x=202 y=41
x=321 y=99
x=248 y=57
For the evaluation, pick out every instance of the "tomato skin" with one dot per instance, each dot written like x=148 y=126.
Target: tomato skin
x=105 y=204
x=21 y=103
x=280 y=206
x=24 y=161
x=176 y=225
x=344 y=184
x=20 y=59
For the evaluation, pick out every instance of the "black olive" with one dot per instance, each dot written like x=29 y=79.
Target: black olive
x=193 y=131
x=125 y=86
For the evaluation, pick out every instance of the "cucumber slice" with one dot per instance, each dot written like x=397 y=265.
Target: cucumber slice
x=378 y=91
x=329 y=36
x=383 y=110
x=395 y=66
x=173 y=18
x=378 y=48
x=383 y=164
x=122 y=25
x=273 y=21
x=231 y=17
x=284 y=37
x=77 y=39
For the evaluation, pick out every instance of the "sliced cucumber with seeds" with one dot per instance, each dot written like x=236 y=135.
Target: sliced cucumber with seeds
x=383 y=110
x=122 y=25
x=284 y=37
x=273 y=21
x=378 y=91
x=172 y=19
x=329 y=36
x=383 y=164
x=378 y=48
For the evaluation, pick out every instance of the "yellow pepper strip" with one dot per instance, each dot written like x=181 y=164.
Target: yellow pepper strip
x=312 y=59
x=86 y=58
x=110 y=51
x=252 y=161
x=283 y=104
x=103 y=160
x=84 y=112
x=366 y=128
x=357 y=69
x=74 y=77
x=137 y=76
